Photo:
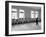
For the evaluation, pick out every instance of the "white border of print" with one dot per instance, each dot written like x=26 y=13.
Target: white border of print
x=24 y=32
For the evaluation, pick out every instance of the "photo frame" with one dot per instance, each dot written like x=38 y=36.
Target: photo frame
x=20 y=18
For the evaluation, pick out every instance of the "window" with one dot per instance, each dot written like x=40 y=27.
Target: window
x=34 y=14
x=21 y=13
x=14 y=14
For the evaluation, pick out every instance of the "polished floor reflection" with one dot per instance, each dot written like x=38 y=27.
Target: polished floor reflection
x=27 y=26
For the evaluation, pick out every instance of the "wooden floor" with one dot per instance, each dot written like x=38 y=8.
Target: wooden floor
x=28 y=26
